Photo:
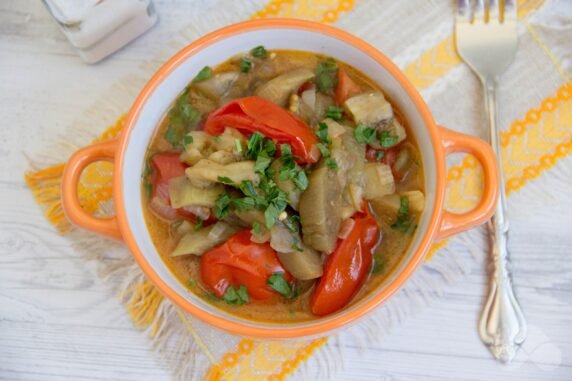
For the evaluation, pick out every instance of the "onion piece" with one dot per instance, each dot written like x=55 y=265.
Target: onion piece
x=199 y=211
x=315 y=153
x=162 y=210
x=346 y=229
x=220 y=229
x=162 y=191
x=309 y=98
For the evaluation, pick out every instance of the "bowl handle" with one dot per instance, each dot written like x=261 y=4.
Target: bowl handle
x=104 y=151
x=452 y=223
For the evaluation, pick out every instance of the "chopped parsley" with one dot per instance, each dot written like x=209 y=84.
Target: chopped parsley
x=254 y=145
x=327 y=75
x=192 y=283
x=225 y=180
x=296 y=244
x=404 y=221
x=271 y=214
x=182 y=117
x=244 y=204
x=386 y=139
x=335 y=113
x=259 y=52
x=324 y=150
x=247 y=187
x=245 y=65
x=323 y=133
x=277 y=282
x=331 y=163
x=300 y=180
x=205 y=73
x=293 y=223
x=379 y=264
x=235 y=296
x=379 y=155
x=256 y=229
x=364 y=134
x=262 y=162
x=221 y=208
x=188 y=139
x=199 y=223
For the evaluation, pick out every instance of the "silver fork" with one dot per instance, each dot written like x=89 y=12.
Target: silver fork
x=486 y=39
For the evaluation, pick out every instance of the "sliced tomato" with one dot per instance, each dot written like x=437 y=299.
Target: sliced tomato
x=254 y=113
x=346 y=268
x=346 y=87
x=239 y=261
x=166 y=166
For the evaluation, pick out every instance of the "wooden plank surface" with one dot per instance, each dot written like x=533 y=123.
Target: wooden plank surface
x=58 y=320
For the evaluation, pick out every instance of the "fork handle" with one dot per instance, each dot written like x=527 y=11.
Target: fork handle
x=502 y=326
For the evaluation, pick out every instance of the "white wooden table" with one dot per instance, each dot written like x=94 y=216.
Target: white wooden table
x=58 y=320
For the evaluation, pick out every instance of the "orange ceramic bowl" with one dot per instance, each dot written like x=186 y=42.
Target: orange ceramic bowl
x=128 y=152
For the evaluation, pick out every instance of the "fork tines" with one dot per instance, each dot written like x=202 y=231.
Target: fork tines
x=486 y=10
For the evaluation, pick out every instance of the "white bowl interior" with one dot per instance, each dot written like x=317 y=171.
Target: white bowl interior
x=281 y=38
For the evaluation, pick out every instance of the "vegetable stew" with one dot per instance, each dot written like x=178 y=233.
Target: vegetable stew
x=282 y=185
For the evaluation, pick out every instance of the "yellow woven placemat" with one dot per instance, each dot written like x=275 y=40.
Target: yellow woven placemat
x=537 y=135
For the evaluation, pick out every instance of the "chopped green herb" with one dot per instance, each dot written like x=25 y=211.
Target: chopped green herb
x=324 y=150
x=256 y=229
x=336 y=113
x=285 y=151
x=199 y=223
x=285 y=174
x=192 y=283
x=262 y=162
x=332 y=164
x=379 y=264
x=379 y=155
x=182 y=117
x=364 y=134
x=205 y=73
x=259 y=52
x=245 y=65
x=148 y=188
x=236 y=297
x=300 y=180
x=216 y=139
x=247 y=187
x=188 y=139
x=404 y=221
x=269 y=147
x=403 y=206
x=238 y=145
x=243 y=293
x=277 y=282
x=254 y=145
x=327 y=75
x=296 y=244
x=323 y=133
x=225 y=180
x=386 y=139
x=271 y=215
x=244 y=204
x=293 y=223
x=221 y=208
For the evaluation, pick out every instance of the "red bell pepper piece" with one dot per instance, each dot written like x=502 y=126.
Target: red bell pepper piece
x=166 y=166
x=254 y=113
x=239 y=261
x=346 y=268
x=346 y=87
